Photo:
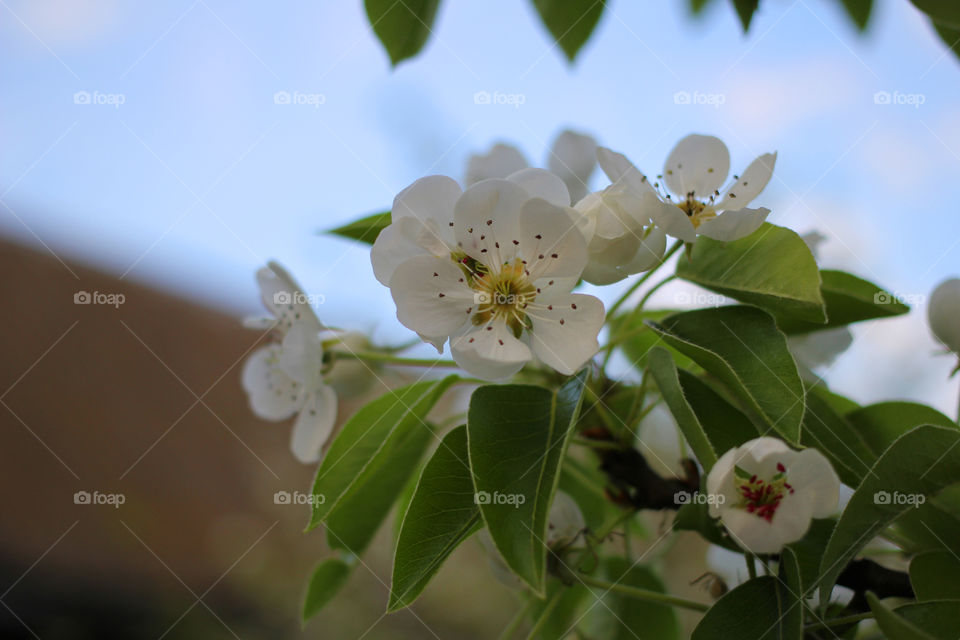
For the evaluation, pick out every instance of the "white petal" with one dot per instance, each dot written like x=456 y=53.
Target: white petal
x=565 y=329
x=301 y=356
x=314 y=425
x=811 y=474
x=262 y=323
x=813 y=240
x=431 y=295
x=550 y=241
x=429 y=198
x=761 y=456
x=753 y=533
x=670 y=218
x=564 y=520
x=573 y=158
x=436 y=342
x=490 y=351
x=620 y=170
x=943 y=313
x=284 y=297
x=792 y=518
x=733 y=225
x=720 y=483
x=499 y=162
x=698 y=164
x=273 y=394
x=750 y=184
x=401 y=240
x=649 y=253
x=819 y=348
x=542 y=184
x=488 y=214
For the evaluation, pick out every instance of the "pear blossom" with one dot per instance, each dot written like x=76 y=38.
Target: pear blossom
x=497 y=282
x=286 y=377
x=766 y=493
x=616 y=223
x=943 y=314
x=694 y=173
x=572 y=158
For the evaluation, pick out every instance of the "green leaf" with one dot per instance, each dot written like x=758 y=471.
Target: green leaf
x=771 y=268
x=848 y=299
x=880 y=424
x=745 y=10
x=808 y=551
x=725 y=425
x=697 y=6
x=517 y=436
x=619 y=617
x=832 y=435
x=840 y=404
x=365 y=229
x=945 y=12
x=759 y=609
x=559 y=611
x=695 y=516
x=402 y=27
x=326 y=581
x=441 y=515
x=920 y=462
x=950 y=36
x=938 y=619
x=367 y=440
x=893 y=626
x=743 y=348
x=355 y=519
x=934 y=575
x=570 y=22
x=636 y=339
x=585 y=484
x=859 y=12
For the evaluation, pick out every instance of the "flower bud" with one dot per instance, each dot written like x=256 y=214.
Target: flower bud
x=943 y=314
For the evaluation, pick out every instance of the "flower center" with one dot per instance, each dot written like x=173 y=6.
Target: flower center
x=761 y=497
x=698 y=212
x=504 y=295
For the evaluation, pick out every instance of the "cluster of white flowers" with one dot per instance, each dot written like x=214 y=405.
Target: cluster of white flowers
x=491 y=268
x=289 y=376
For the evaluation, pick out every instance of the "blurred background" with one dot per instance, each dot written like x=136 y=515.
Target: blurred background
x=166 y=150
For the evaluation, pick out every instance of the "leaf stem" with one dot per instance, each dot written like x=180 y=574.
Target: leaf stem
x=644 y=594
x=751 y=565
x=639 y=283
x=837 y=622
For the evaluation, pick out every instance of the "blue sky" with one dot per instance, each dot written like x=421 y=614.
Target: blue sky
x=199 y=176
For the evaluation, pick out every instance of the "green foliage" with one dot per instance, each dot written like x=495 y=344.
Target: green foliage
x=365 y=229
x=517 y=437
x=937 y=619
x=619 y=617
x=882 y=423
x=441 y=515
x=369 y=440
x=326 y=581
x=402 y=27
x=742 y=347
x=771 y=268
x=745 y=10
x=765 y=608
x=893 y=626
x=920 y=462
x=859 y=12
x=828 y=432
x=636 y=339
x=570 y=22
x=934 y=575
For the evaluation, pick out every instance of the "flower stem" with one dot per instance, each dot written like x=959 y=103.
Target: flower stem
x=644 y=594
x=751 y=565
x=374 y=356
x=639 y=283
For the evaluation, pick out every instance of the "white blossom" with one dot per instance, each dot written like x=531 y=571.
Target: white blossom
x=943 y=314
x=765 y=493
x=693 y=175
